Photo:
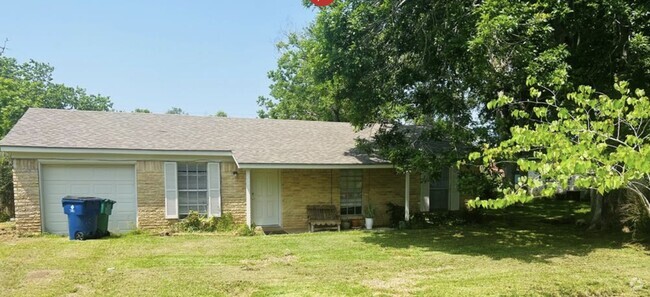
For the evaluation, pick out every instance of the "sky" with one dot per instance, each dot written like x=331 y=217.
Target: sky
x=201 y=56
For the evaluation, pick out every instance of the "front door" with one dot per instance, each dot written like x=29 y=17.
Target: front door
x=265 y=197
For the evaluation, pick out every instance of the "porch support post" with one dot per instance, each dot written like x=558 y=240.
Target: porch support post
x=248 y=198
x=407 y=193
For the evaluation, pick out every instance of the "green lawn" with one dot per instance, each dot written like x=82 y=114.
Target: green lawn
x=515 y=253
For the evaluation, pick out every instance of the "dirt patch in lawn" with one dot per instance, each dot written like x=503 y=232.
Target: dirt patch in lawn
x=286 y=260
x=42 y=276
x=404 y=283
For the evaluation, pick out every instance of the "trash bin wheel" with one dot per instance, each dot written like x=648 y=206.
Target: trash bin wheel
x=79 y=236
x=108 y=233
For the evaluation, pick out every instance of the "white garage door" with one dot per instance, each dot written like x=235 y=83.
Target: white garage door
x=103 y=181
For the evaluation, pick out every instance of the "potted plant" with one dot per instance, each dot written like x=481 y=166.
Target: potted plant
x=370 y=215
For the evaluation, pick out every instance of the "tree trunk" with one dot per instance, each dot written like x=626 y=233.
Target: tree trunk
x=596 y=210
x=604 y=209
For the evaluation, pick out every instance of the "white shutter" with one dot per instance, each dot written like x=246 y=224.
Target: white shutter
x=171 y=191
x=214 y=189
x=454 y=195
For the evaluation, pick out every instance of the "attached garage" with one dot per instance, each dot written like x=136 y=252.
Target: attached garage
x=116 y=182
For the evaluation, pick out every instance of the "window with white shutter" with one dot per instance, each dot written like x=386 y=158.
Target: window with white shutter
x=171 y=188
x=214 y=189
x=192 y=188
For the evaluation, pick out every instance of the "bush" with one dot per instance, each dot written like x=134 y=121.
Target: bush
x=635 y=216
x=195 y=222
x=226 y=223
x=4 y=216
x=421 y=220
x=395 y=214
x=6 y=189
x=244 y=230
x=473 y=215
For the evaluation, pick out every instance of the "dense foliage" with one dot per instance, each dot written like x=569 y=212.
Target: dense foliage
x=587 y=141
x=437 y=64
x=30 y=84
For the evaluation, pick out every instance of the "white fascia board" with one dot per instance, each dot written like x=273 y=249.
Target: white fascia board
x=25 y=149
x=313 y=166
x=84 y=162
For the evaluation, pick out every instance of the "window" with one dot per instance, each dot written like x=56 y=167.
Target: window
x=439 y=192
x=351 y=193
x=192 y=188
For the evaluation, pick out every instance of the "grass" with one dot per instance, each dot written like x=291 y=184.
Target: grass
x=519 y=251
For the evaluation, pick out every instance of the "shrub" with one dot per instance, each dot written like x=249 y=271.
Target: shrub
x=635 y=216
x=244 y=230
x=395 y=214
x=226 y=223
x=195 y=222
x=4 y=216
x=192 y=222
x=473 y=215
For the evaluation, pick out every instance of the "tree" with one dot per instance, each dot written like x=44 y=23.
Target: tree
x=221 y=114
x=141 y=110
x=588 y=140
x=176 y=110
x=30 y=84
x=437 y=64
x=296 y=92
x=387 y=62
x=558 y=45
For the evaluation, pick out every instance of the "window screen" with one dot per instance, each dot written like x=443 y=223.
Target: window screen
x=439 y=192
x=192 y=188
x=351 y=181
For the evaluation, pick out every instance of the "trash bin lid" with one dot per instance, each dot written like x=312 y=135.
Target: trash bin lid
x=76 y=199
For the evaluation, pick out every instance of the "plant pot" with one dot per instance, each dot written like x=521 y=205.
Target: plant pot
x=345 y=225
x=369 y=222
x=356 y=223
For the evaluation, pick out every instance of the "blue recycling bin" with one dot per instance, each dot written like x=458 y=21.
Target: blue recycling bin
x=82 y=216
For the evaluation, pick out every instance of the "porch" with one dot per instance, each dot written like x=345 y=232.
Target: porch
x=277 y=199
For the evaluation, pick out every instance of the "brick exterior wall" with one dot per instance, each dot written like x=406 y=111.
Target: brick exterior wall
x=302 y=187
x=381 y=186
x=150 y=177
x=233 y=191
x=151 y=194
x=27 y=196
x=299 y=188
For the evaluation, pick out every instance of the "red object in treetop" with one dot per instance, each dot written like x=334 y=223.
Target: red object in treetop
x=322 y=2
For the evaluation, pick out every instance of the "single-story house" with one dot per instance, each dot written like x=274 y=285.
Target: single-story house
x=159 y=167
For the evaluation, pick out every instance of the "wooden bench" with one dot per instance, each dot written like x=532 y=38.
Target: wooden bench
x=323 y=216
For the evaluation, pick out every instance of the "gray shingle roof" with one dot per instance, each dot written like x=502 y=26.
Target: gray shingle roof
x=252 y=141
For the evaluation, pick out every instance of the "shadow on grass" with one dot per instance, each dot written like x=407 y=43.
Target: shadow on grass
x=525 y=233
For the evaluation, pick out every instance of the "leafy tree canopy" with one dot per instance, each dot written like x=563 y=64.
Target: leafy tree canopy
x=30 y=84
x=437 y=64
x=176 y=110
x=141 y=110
x=221 y=114
x=588 y=140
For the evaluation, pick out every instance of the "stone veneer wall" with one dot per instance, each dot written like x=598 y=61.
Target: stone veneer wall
x=151 y=195
x=27 y=196
x=233 y=191
x=381 y=186
x=302 y=187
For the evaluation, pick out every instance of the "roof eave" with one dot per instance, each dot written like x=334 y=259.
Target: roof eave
x=314 y=166
x=63 y=150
